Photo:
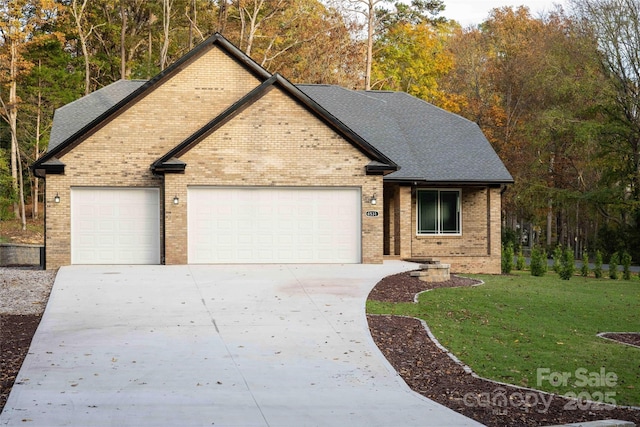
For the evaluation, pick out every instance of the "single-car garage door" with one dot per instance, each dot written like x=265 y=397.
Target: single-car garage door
x=115 y=226
x=274 y=225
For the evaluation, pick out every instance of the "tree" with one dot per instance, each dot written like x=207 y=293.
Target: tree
x=19 y=23
x=536 y=88
x=79 y=16
x=412 y=58
x=51 y=83
x=378 y=19
x=615 y=24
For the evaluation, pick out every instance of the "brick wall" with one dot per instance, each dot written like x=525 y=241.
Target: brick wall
x=274 y=142
x=476 y=250
x=120 y=153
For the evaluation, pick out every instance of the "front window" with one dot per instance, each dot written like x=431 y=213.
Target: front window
x=439 y=212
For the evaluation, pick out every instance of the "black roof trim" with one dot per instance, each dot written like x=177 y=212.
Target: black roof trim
x=425 y=183
x=172 y=165
x=258 y=93
x=378 y=168
x=142 y=91
x=52 y=166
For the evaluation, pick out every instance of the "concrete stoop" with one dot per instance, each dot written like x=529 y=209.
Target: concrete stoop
x=601 y=423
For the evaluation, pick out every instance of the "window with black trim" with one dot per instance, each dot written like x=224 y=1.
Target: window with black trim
x=439 y=212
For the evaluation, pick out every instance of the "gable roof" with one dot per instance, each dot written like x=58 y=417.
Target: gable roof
x=170 y=163
x=71 y=118
x=106 y=103
x=431 y=145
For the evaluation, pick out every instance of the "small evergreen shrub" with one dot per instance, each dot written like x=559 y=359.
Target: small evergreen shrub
x=557 y=256
x=520 y=262
x=597 y=265
x=584 y=271
x=613 y=266
x=538 y=262
x=626 y=265
x=567 y=264
x=507 y=258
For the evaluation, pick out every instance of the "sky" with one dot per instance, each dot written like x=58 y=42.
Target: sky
x=473 y=12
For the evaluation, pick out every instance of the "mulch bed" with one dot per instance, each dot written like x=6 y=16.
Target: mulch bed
x=428 y=370
x=16 y=332
x=631 y=338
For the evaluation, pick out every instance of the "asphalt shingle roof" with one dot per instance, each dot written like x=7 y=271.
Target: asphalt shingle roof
x=70 y=118
x=428 y=143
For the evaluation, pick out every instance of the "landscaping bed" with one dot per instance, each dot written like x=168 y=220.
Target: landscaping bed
x=430 y=371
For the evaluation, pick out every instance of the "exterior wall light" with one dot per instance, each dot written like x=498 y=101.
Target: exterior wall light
x=373 y=200
x=176 y=200
x=56 y=198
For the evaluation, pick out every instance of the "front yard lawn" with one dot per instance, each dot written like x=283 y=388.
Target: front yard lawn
x=539 y=332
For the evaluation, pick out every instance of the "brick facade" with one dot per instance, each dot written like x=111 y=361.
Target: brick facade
x=275 y=142
x=476 y=250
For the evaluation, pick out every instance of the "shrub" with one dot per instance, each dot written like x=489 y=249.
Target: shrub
x=597 y=265
x=584 y=271
x=626 y=265
x=613 y=266
x=520 y=262
x=557 y=256
x=567 y=264
x=538 y=262
x=507 y=258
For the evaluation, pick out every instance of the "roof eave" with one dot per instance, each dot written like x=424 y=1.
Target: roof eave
x=449 y=183
x=52 y=166
x=377 y=168
x=172 y=165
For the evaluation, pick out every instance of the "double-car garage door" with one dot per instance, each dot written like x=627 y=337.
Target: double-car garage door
x=274 y=225
x=225 y=225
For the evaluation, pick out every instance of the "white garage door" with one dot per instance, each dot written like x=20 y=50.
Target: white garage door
x=115 y=226
x=274 y=225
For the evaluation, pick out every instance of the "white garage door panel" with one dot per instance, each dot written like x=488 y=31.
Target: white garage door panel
x=115 y=226
x=274 y=225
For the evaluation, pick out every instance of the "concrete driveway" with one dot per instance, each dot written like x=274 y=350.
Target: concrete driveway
x=257 y=345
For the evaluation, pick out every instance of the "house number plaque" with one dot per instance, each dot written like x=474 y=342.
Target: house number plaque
x=372 y=213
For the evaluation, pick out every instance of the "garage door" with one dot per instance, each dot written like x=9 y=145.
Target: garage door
x=115 y=226
x=274 y=225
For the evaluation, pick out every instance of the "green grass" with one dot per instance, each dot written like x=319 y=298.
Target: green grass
x=514 y=325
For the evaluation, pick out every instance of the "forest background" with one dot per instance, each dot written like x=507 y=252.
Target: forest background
x=557 y=94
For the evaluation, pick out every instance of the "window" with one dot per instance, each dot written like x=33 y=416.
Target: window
x=439 y=212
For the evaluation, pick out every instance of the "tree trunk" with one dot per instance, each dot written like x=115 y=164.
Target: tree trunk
x=371 y=23
x=36 y=154
x=82 y=36
x=123 y=50
x=166 y=19
x=549 y=221
x=23 y=215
